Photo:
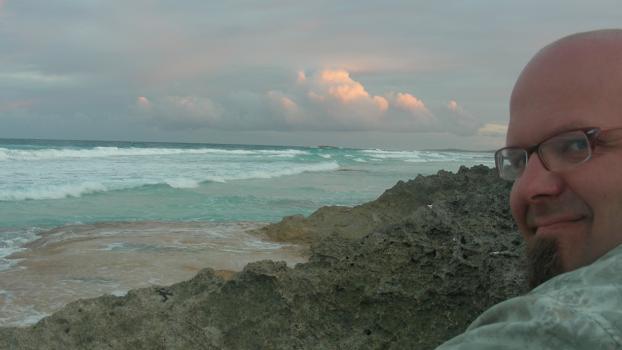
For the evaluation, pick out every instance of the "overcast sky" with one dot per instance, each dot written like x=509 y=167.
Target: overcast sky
x=387 y=74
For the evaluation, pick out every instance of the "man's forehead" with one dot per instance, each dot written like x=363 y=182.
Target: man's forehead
x=530 y=134
x=571 y=84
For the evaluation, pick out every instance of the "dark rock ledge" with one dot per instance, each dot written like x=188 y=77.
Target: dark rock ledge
x=406 y=271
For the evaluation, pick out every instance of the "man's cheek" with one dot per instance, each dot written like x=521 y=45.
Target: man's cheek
x=518 y=209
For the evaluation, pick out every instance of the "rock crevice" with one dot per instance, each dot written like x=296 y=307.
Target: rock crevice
x=406 y=271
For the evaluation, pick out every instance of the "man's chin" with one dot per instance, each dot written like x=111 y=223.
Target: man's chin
x=543 y=261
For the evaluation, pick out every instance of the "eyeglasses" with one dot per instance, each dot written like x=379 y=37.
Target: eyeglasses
x=558 y=153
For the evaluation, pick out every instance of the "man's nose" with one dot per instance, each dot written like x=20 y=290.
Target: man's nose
x=536 y=182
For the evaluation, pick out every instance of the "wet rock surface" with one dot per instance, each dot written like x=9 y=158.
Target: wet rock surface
x=407 y=271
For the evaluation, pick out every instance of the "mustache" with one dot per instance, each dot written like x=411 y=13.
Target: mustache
x=566 y=208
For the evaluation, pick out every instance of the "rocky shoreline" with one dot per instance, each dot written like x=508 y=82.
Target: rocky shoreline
x=406 y=271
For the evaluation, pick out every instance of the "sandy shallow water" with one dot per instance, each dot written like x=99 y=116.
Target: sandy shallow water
x=84 y=261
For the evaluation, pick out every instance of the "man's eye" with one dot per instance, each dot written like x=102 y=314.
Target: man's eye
x=567 y=147
x=573 y=146
x=517 y=162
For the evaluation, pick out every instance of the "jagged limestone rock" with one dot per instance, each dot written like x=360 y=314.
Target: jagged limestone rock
x=406 y=271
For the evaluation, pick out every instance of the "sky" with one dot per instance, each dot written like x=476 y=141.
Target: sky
x=369 y=74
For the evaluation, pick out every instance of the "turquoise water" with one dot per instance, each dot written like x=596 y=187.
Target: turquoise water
x=113 y=216
x=46 y=184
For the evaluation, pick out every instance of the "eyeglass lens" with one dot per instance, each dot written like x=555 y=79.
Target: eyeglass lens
x=557 y=153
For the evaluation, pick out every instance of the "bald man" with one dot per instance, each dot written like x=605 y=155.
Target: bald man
x=564 y=155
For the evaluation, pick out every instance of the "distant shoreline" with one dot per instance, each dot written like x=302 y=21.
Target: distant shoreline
x=456 y=150
x=244 y=144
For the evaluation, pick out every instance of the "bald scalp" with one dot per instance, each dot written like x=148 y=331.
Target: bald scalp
x=583 y=68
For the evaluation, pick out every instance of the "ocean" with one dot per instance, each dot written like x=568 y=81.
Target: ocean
x=83 y=218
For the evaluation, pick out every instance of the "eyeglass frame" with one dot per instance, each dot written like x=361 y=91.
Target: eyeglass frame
x=591 y=133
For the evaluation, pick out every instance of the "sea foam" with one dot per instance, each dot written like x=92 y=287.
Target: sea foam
x=130 y=181
x=428 y=156
x=52 y=191
x=11 y=241
x=182 y=183
x=102 y=152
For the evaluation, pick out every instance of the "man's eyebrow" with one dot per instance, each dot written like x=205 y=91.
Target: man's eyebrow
x=556 y=131
x=564 y=128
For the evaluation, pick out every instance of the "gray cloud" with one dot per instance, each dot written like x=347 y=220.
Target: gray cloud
x=327 y=100
x=211 y=66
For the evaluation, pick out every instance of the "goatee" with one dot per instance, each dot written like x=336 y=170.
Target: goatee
x=543 y=261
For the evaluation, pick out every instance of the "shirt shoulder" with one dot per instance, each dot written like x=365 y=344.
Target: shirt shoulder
x=581 y=309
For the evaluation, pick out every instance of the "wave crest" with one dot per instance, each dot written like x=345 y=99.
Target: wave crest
x=52 y=191
x=7 y=154
x=61 y=191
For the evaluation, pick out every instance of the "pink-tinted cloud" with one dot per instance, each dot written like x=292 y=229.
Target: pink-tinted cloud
x=381 y=102
x=15 y=105
x=288 y=104
x=333 y=93
x=493 y=129
x=340 y=86
x=457 y=120
x=338 y=76
x=143 y=102
x=301 y=77
x=195 y=108
x=332 y=99
x=283 y=102
x=410 y=112
x=179 y=112
x=285 y=107
x=409 y=102
x=324 y=100
x=453 y=105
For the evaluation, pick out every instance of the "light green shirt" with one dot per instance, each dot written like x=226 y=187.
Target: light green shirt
x=581 y=309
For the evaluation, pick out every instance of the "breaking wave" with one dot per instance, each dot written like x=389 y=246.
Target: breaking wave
x=60 y=191
x=103 y=152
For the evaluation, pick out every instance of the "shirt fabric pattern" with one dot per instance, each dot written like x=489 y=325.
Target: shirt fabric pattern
x=581 y=309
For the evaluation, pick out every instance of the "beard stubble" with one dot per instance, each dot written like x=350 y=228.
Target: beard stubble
x=543 y=261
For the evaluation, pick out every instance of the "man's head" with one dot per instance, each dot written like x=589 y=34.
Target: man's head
x=573 y=216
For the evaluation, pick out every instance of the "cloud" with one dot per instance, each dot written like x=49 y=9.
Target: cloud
x=15 y=105
x=337 y=87
x=409 y=102
x=324 y=100
x=493 y=129
x=301 y=77
x=331 y=99
x=283 y=102
x=237 y=69
x=340 y=86
x=33 y=78
x=179 y=112
x=143 y=103
x=411 y=109
x=455 y=119
x=286 y=108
